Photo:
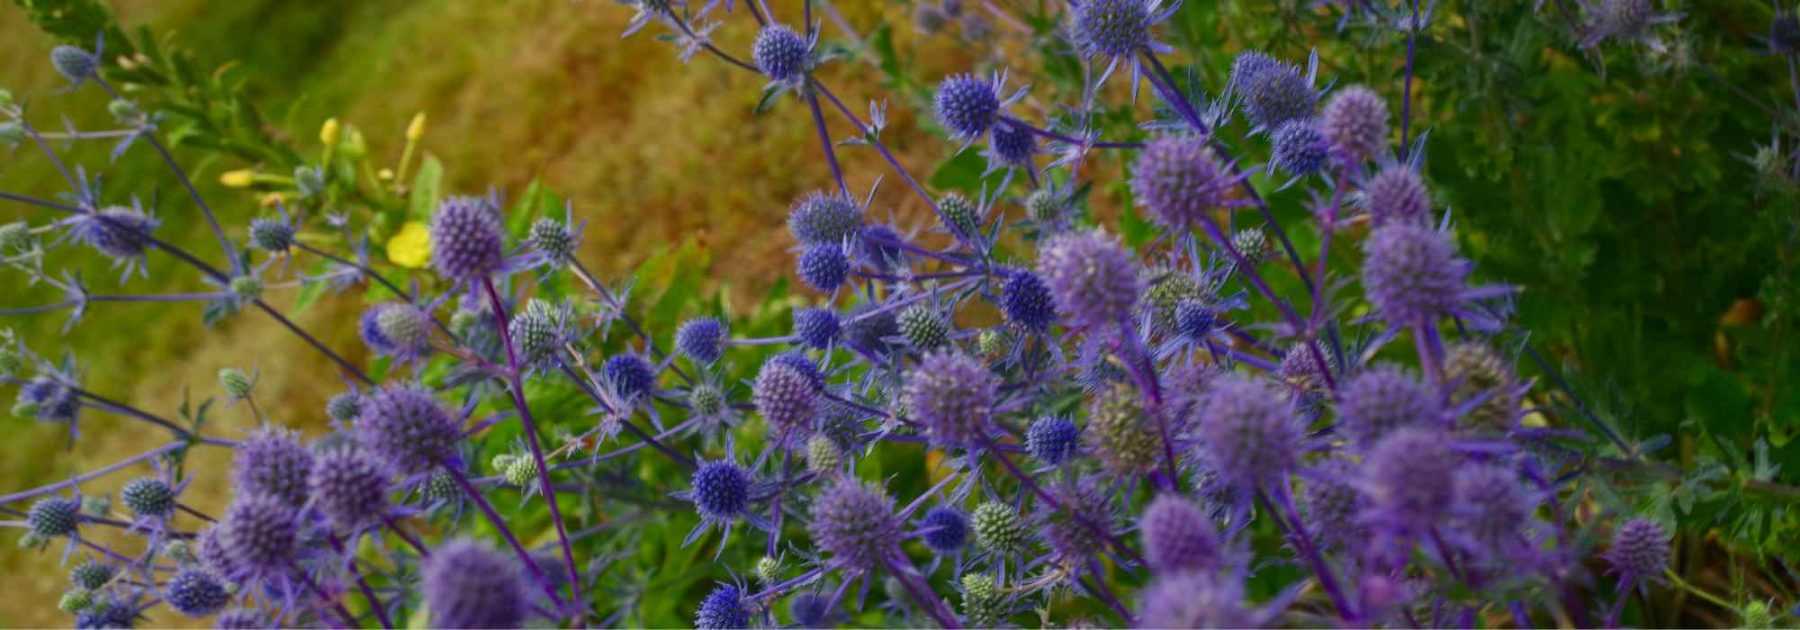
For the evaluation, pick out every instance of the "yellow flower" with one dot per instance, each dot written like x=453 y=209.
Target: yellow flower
x=328 y=133
x=411 y=246
x=416 y=129
x=241 y=178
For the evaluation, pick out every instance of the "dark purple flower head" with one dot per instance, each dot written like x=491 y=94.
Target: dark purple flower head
x=48 y=399
x=1012 y=145
x=54 y=516
x=1114 y=28
x=1640 y=550
x=1492 y=508
x=75 y=63
x=721 y=491
x=1027 y=302
x=1412 y=275
x=468 y=585
x=116 y=231
x=1052 y=439
x=1074 y=530
x=1397 y=195
x=968 y=105
x=272 y=462
x=1250 y=432
x=785 y=396
x=781 y=54
x=196 y=593
x=1179 y=179
x=407 y=428
x=1355 y=122
x=1093 y=278
x=723 y=609
x=952 y=395
x=110 y=613
x=825 y=219
x=271 y=235
x=1378 y=400
x=1300 y=147
x=1409 y=478
x=824 y=267
x=92 y=575
x=349 y=488
x=1333 y=505
x=259 y=538
x=816 y=327
x=148 y=497
x=369 y=326
x=1178 y=536
x=1273 y=91
x=855 y=524
x=870 y=328
x=552 y=238
x=1195 y=320
x=630 y=376
x=944 y=529
x=810 y=610
x=702 y=339
x=466 y=238
x=1197 y=599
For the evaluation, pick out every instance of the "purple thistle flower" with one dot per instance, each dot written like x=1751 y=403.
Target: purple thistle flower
x=344 y=407
x=825 y=219
x=349 y=488
x=109 y=614
x=1195 y=320
x=54 y=517
x=702 y=339
x=407 y=428
x=1052 y=439
x=952 y=395
x=855 y=524
x=540 y=330
x=1197 y=599
x=404 y=328
x=1492 y=508
x=272 y=235
x=48 y=400
x=466 y=241
x=1178 y=536
x=1250 y=432
x=876 y=247
x=1011 y=145
x=75 y=63
x=944 y=529
x=468 y=585
x=1408 y=479
x=1027 y=302
x=785 y=395
x=92 y=575
x=720 y=491
x=1093 y=278
x=1640 y=551
x=723 y=609
x=257 y=540
x=1381 y=399
x=272 y=462
x=1180 y=179
x=967 y=105
x=1333 y=504
x=116 y=231
x=824 y=267
x=1412 y=275
x=869 y=328
x=1397 y=195
x=148 y=497
x=1300 y=148
x=630 y=376
x=1273 y=91
x=1355 y=123
x=369 y=327
x=1115 y=28
x=810 y=610
x=816 y=327
x=196 y=593
x=781 y=54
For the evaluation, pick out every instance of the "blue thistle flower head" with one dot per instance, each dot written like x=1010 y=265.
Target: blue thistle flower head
x=466 y=238
x=1274 y=92
x=1250 y=432
x=810 y=610
x=944 y=529
x=1381 y=399
x=117 y=232
x=825 y=218
x=721 y=491
x=1093 y=278
x=92 y=575
x=407 y=428
x=258 y=539
x=148 y=497
x=349 y=488
x=952 y=394
x=397 y=329
x=540 y=330
x=369 y=327
x=53 y=517
x=785 y=396
x=816 y=327
x=702 y=339
x=1052 y=439
x=630 y=376
x=1116 y=28
x=468 y=585
x=1355 y=123
x=1195 y=319
x=196 y=593
x=723 y=609
x=344 y=407
x=968 y=105
x=1178 y=536
x=1026 y=302
x=1011 y=145
x=75 y=63
x=871 y=329
x=1179 y=179
x=1333 y=504
x=1300 y=147
x=855 y=524
x=1491 y=511
x=109 y=614
x=1199 y=599
x=781 y=54
x=49 y=400
x=273 y=463
x=274 y=235
x=824 y=267
x=1396 y=194
x=1640 y=550
x=1408 y=479
x=1412 y=275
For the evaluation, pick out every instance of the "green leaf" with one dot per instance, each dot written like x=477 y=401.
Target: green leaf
x=423 y=198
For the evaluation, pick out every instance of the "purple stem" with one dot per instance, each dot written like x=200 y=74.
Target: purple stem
x=83 y=478
x=1070 y=139
x=1143 y=370
x=394 y=526
x=499 y=523
x=336 y=606
x=921 y=592
x=362 y=584
x=905 y=175
x=237 y=265
x=1412 y=35
x=1282 y=509
x=837 y=171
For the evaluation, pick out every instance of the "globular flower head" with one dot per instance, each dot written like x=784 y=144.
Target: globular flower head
x=1274 y=92
x=1052 y=439
x=721 y=491
x=54 y=516
x=706 y=400
x=998 y=528
x=468 y=585
x=196 y=593
x=258 y=538
x=1121 y=433
x=1355 y=123
x=344 y=407
x=407 y=428
x=1093 y=278
x=1333 y=505
x=1197 y=599
x=1012 y=145
x=923 y=327
x=539 y=331
x=272 y=462
x=968 y=105
x=117 y=232
x=92 y=575
x=1381 y=399
x=1477 y=370
x=631 y=376
x=871 y=330
x=961 y=216
x=110 y=613
x=702 y=339
x=148 y=497
x=349 y=488
x=952 y=395
x=1167 y=290
x=1074 y=530
x=1179 y=179
x=1640 y=550
x=856 y=525
x=1409 y=477
x=47 y=399
x=810 y=610
x=1027 y=302
x=944 y=529
x=984 y=604
x=823 y=455
x=816 y=327
x=1114 y=28
x=271 y=235
x=1412 y=275
x=1300 y=147
x=1195 y=319
x=466 y=238
x=825 y=218
x=1250 y=432
x=723 y=609
x=781 y=53
x=75 y=63
x=1178 y=536
x=552 y=238
x=823 y=267
x=785 y=396
x=1397 y=195
x=1492 y=506
x=1253 y=244
x=406 y=329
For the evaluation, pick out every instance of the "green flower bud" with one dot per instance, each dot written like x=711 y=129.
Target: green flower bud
x=236 y=384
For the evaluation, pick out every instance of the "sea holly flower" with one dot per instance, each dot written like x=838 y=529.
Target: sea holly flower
x=468 y=585
x=1273 y=92
x=120 y=233
x=721 y=492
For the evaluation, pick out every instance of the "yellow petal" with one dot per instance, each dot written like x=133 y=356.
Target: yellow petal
x=411 y=246
x=328 y=132
x=241 y=178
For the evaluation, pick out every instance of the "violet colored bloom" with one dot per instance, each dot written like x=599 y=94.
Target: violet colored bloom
x=1011 y=145
x=349 y=488
x=1027 y=302
x=823 y=267
x=702 y=339
x=1640 y=551
x=967 y=105
x=1250 y=432
x=75 y=63
x=1412 y=275
x=258 y=539
x=1492 y=510
x=1355 y=123
x=1116 y=28
x=344 y=407
x=1409 y=479
x=1071 y=530
x=878 y=247
x=630 y=376
x=781 y=54
x=1178 y=536
x=944 y=529
x=1180 y=179
x=272 y=235
x=810 y=610
x=1052 y=439
x=466 y=238
x=1274 y=92
x=784 y=395
x=53 y=517
x=952 y=395
x=869 y=330
x=855 y=524
x=825 y=219
x=1093 y=278
x=118 y=232
x=407 y=428
x=720 y=491
x=1397 y=195
x=49 y=400
x=723 y=609
x=1383 y=398
x=272 y=462
x=148 y=497
x=1198 y=599
x=1300 y=148
x=468 y=585
x=539 y=332
x=195 y=593
x=1333 y=504
x=401 y=330
x=816 y=327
